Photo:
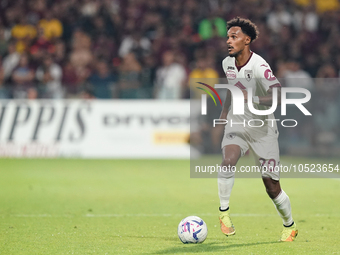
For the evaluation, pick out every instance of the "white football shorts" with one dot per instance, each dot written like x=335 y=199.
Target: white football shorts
x=265 y=148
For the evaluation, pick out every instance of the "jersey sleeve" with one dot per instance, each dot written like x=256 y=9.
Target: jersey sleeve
x=224 y=65
x=225 y=68
x=265 y=76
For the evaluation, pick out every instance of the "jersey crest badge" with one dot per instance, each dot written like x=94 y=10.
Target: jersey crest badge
x=248 y=74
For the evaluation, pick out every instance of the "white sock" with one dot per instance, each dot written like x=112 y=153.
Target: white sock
x=225 y=185
x=282 y=205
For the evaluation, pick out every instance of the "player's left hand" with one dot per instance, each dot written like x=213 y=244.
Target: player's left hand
x=245 y=94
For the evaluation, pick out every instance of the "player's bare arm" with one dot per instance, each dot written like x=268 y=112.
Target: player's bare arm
x=265 y=100
x=218 y=129
x=226 y=105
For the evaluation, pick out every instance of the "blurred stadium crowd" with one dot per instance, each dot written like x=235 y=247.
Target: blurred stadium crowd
x=149 y=49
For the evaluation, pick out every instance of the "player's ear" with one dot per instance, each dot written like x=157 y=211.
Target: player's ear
x=248 y=40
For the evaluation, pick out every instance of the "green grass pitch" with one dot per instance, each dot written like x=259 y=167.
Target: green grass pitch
x=66 y=206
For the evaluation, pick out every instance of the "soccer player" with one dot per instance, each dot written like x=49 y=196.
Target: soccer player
x=245 y=69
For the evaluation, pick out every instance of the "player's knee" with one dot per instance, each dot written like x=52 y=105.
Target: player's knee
x=273 y=191
x=226 y=173
x=228 y=162
x=273 y=187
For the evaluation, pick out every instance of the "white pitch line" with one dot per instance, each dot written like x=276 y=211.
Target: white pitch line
x=39 y=216
x=176 y=215
x=198 y=214
x=135 y=215
x=152 y=215
x=32 y=215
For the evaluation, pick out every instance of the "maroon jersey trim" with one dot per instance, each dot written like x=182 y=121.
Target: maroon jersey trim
x=239 y=67
x=275 y=85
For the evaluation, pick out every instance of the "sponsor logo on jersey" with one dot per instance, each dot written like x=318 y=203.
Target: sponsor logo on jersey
x=231 y=75
x=248 y=74
x=231 y=68
x=264 y=65
x=269 y=75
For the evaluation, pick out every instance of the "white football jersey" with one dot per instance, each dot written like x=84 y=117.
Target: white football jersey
x=257 y=74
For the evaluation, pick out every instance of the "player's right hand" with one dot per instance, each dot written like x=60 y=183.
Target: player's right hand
x=245 y=94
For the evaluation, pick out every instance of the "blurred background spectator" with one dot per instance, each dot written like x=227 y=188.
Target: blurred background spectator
x=213 y=26
x=51 y=26
x=170 y=78
x=102 y=81
x=49 y=76
x=10 y=61
x=129 y=77
x=23 y=33
x=22 y=77
x=135 y=43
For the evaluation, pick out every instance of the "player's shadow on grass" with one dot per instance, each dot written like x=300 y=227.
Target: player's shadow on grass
x=206 y=247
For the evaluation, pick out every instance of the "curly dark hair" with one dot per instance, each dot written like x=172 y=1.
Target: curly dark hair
x=248 y=27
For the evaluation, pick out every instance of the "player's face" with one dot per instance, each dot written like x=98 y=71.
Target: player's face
x=236 y=41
